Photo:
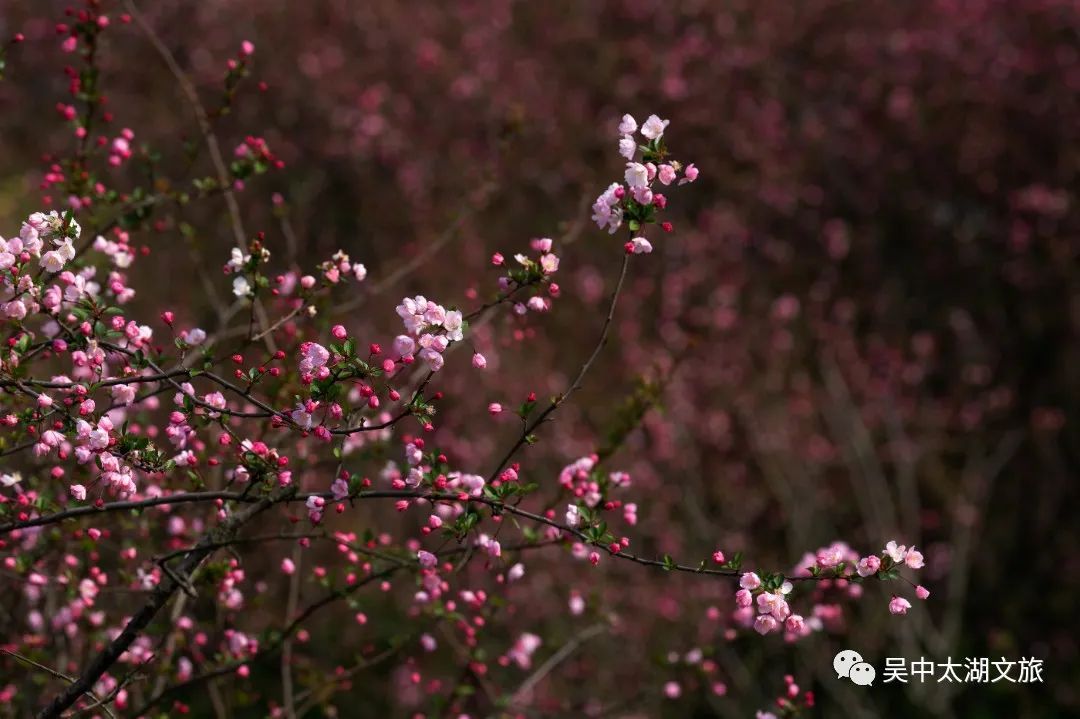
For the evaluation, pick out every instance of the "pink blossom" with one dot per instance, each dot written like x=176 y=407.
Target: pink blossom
x=637 y=175
x=765 y=623
x=642 y=195
x=522 y=651
x=123 y=393
x=868 y=565
x=453 y=325
x=573 y=515
x=896 y=552
x=340 y=489
x=315 y=506
x=795 y=625
x=313 y=356
x=549 y=263
x=653 y=127
x=606 y=211
x=899 y=605
x=403 y=346
x=750 y=580
x=913 y=558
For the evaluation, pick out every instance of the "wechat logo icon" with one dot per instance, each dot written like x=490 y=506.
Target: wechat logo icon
x=849 y=664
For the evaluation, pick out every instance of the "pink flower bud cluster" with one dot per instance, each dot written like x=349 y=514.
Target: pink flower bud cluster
x=530 y=272
x=637 y=199
x=838 y=570
x=430 y=328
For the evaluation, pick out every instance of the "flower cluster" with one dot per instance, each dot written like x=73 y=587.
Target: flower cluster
x=577 y=478
x=528 y=272
x=45 y=237
x=245 y=265
x=636 y=201
x=835 y=567
x=430 y=328
x=770 y=597
x=339 y=267
x=120 y=147
x=790 y=703
x=246 y=399
x=523 y=649
x=252 y=157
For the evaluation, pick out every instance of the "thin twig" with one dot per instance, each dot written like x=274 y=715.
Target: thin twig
x=525 y=690
x=527 y=432
x=58 y=675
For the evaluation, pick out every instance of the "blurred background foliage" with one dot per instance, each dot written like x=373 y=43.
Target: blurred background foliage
x=864 y=325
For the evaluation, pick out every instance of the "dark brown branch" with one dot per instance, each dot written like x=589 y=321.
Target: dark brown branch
x=161 y=594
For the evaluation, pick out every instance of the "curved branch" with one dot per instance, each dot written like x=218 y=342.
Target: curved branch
x=531 y=427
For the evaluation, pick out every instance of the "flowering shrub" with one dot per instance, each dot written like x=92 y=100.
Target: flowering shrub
x=192 y=496
x=86 y=381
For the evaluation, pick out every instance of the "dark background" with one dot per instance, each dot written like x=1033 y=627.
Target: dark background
x=905 y=171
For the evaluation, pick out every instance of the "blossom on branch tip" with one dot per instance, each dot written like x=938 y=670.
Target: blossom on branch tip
x=653 y=127
x=896 y=552
x=913 y=558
